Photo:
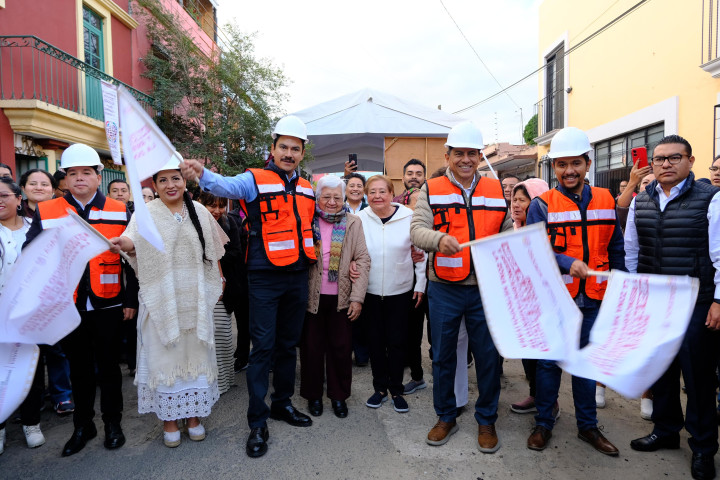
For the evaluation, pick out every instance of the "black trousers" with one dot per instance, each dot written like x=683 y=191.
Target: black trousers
x=416 y=319
x=278 y=301
x=96 y=341
x=387 y=319
x=697 y=360
x=530 y=367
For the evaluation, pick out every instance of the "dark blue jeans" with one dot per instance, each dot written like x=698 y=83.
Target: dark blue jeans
x=277 y=309
x=448 y=304
x=58 y=373
x=547 y=382
x=697 y=360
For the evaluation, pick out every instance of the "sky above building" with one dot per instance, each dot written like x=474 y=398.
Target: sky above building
x=411 y=49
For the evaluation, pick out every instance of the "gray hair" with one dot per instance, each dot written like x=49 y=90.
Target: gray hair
x=330 y=181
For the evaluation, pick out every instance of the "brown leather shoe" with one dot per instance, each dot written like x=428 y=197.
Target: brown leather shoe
x=539 y=438
x=487 y=439
x=440 y=433
x=597 y=440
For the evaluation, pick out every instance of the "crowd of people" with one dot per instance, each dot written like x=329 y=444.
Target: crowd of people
x=349 y=268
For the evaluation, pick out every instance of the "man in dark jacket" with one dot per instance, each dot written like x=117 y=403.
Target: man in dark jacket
x=673 y=228
x=101 y=299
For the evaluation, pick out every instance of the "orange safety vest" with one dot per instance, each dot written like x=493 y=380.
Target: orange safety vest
x=286 y=219
x=484 y=217
x=105 y=269
x=582 y=235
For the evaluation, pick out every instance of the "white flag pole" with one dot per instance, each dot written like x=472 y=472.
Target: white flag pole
x=92 y=230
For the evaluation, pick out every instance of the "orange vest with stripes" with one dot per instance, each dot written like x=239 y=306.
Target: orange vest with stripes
x=105 y=269
x=582 y=235
x=484 y=217
x=286 y=219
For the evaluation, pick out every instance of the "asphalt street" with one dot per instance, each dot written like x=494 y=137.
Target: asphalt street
x=368 y=444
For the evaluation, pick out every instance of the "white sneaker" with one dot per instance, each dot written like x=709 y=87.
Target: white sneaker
x=600 y=396
x=33 y=435
x=646 y=408
x=2 y=440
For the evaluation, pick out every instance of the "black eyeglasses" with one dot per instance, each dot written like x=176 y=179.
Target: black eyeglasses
x=673 y=159
x=714 y=169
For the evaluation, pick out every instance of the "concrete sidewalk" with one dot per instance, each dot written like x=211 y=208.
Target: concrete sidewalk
x=368 y=444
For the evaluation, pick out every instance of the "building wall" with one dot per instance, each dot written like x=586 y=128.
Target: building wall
x=398 y=150
x=643 y=69
x=56 y=25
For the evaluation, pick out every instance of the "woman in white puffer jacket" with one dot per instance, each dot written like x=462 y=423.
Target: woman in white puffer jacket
x=390 y=289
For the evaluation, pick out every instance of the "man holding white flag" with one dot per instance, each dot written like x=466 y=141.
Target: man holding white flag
x=673 y=228
x=455 y=208
x=101 y=299
x=585 y=235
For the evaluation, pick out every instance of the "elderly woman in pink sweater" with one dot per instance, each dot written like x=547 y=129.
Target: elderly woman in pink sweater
x=334 y=301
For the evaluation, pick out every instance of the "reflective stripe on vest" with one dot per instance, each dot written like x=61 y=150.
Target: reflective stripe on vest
x=586 y=238
x=484 y=217
x=281 y=214
x=105 y=269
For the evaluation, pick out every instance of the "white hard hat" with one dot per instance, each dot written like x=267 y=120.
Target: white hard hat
x=465 y=135
x=173 y=163
x=291 y=126
x=80 y=155
x=569 y=142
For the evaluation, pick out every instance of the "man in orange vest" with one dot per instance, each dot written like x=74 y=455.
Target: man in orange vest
x=585 y=235
x=279 y=206
x=452 y=209
x=101 y=299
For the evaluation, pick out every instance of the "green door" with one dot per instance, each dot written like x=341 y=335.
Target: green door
x=93 y=38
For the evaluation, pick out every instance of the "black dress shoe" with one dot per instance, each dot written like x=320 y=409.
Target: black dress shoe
x=80 y=436
x=257 y=442
x=339 y=408
x=291 y=415
x=315 y=407
x=114 y=437
x=652 y=443
x=702 y=466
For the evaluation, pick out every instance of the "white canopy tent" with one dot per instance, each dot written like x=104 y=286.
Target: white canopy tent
x=360 y=121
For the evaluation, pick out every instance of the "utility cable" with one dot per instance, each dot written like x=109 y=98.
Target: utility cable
x=570 y=50
x=478 y=55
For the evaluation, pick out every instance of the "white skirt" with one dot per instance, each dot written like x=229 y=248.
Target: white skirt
x=185 y=398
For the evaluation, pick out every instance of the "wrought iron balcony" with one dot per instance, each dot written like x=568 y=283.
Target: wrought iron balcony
x=550 y=112
x=32 y=69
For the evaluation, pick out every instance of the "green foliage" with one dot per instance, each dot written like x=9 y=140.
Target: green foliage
x=531 y=130
x=220 y=109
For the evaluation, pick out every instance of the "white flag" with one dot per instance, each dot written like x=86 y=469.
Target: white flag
x=36 y=303
x=17 y=369
x=527 y=306
x=112 y=125
x=147 y=150
x=638 y=331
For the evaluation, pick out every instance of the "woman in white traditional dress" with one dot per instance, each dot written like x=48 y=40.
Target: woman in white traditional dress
x=177 y=370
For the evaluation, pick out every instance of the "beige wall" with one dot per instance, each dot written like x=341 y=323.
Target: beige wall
x=642 y=70
x=398 y=150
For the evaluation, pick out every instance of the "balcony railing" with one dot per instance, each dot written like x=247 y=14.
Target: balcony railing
x=710 y=33
x=31 y=68
x=550 y=112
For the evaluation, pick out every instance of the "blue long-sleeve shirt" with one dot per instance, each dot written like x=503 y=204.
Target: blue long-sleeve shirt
x=241 y=186
x=537 y=212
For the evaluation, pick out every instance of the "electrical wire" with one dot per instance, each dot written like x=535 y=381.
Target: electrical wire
x=477 y=54
x=568 y=52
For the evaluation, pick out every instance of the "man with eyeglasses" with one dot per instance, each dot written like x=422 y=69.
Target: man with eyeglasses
x=673 y=228
x=715 y=171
